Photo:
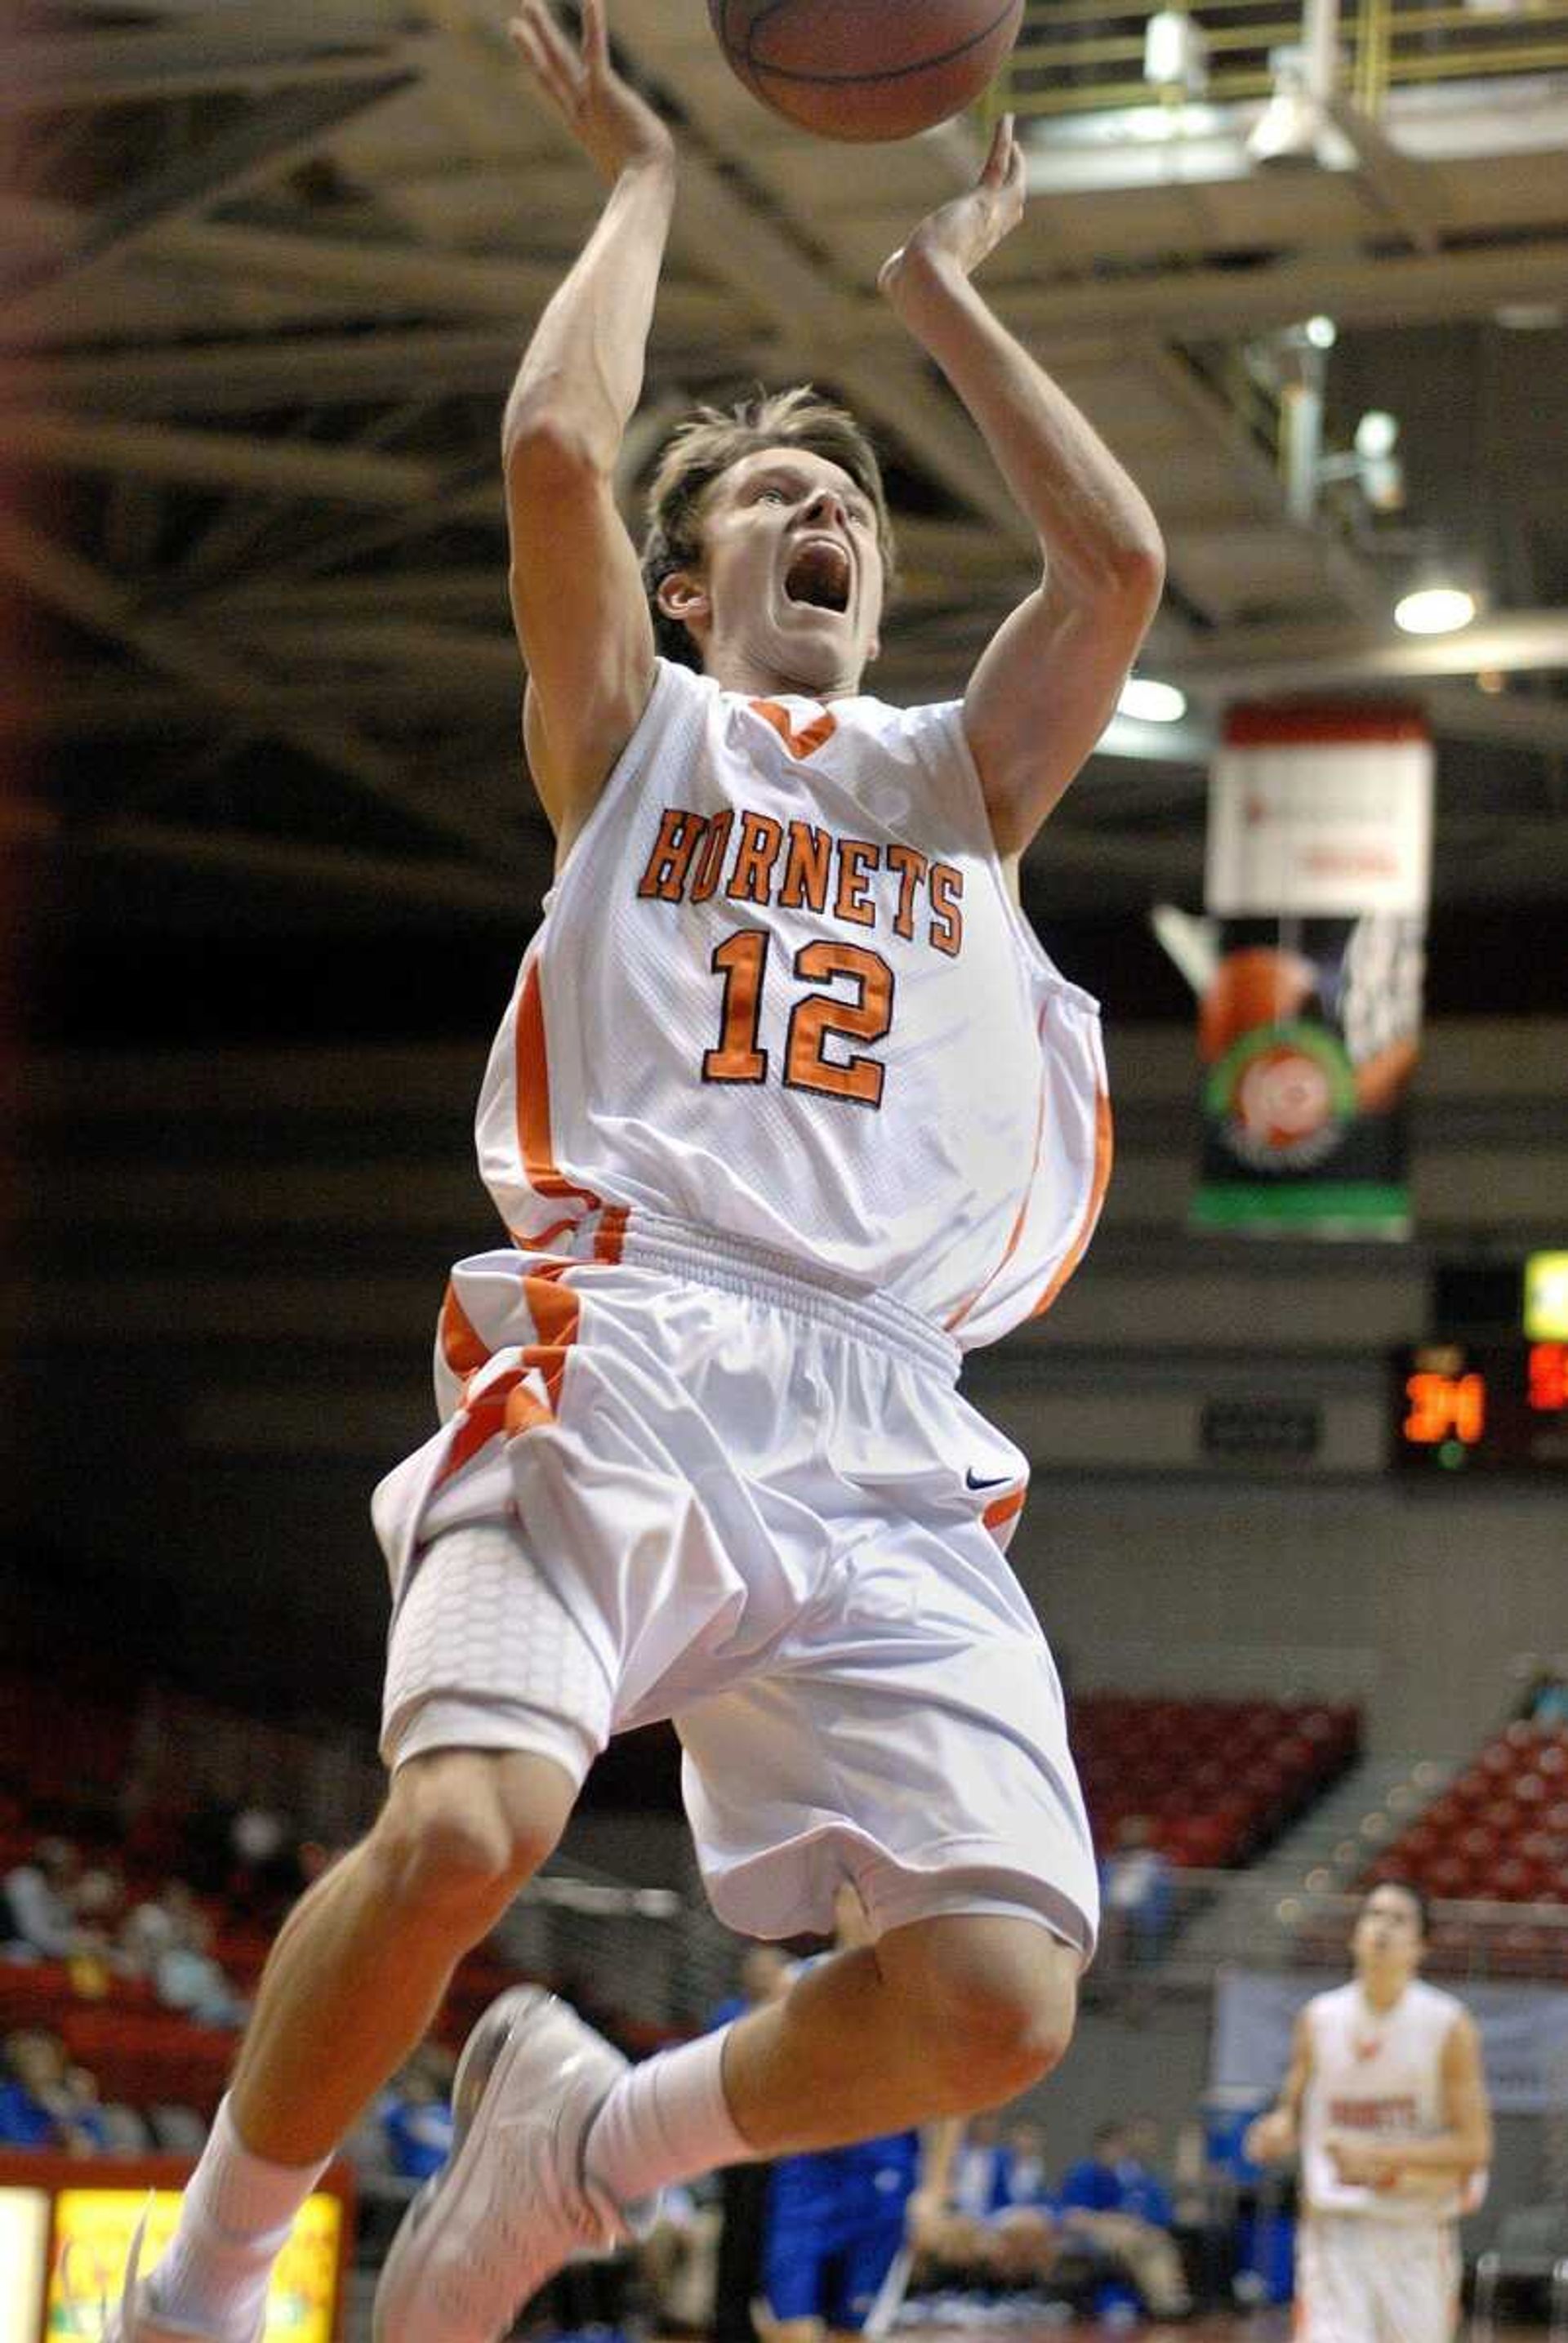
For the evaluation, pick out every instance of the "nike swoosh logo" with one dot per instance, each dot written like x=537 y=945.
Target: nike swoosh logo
x=972 y=1479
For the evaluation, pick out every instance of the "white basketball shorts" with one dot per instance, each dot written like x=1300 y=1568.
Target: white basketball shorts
x=729 y=1493
x=1362 y=2280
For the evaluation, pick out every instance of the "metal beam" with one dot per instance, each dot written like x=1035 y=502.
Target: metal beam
x=1404 y=189
x=290 y=862
x=253 y=377
x=1248 y=660
x=1498 y=719
x=254 y=50
x=92 y=598
x=374 y=641
x=83 y=702
x=256 y=146
x=377 y=272
x=283 y=468
x=1408 y=288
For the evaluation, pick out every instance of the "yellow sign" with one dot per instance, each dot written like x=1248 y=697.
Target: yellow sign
x=1546 y=1297
x=93 y=2230
x=24 y=2253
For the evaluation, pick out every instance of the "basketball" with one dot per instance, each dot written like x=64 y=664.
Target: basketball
x=865 y=69
x=1255 y=986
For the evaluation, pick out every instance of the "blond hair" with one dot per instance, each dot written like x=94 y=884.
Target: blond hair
x=708 y=443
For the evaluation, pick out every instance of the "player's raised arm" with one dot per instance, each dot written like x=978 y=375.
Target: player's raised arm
x=1048 y=682
x=576 y=597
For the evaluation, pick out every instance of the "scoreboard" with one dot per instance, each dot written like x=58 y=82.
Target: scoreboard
x=1480 y=1407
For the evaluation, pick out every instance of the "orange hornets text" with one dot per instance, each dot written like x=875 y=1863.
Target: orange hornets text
x=749 y=858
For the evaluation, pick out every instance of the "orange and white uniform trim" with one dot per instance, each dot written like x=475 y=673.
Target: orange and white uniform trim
x=781 y=992
x=788 y=1108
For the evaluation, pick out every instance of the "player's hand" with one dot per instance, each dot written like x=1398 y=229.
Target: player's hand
x=613 y=125
x=1272 y=2140
x=1361 y=2163
x=960 y=234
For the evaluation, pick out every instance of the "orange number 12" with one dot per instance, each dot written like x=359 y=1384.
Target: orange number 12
x=741 y=959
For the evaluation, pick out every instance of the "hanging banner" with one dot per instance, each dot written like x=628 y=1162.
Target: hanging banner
x=1316 y=883
x=1524 y=2037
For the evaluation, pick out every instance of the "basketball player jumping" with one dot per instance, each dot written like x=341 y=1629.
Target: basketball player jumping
x=1386 y=2103
x=790 y=1107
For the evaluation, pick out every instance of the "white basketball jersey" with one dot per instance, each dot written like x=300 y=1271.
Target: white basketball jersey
x=1379 y=2072
x=780 y=992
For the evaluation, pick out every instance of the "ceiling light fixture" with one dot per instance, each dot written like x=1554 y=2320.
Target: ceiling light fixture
x=1377 y=470
x=1287 y=134
x=1435 y=611
x=1377 y=435
x=1150 y=701
x=1175 y=54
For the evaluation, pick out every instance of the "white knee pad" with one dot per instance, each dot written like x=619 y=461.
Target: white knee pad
x=484 y=1654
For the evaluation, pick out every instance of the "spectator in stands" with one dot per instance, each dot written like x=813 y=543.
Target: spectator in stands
x=1025 y=2216
x=45 y=2102
x=1136 y=1896
x=1024 y=2177
x=836 y=2222
x=265 y=1874
x=1000 y=2224
x=1096 y=2203
x=976 y=2174
x=679 y=2261
x=1091 y=2185
x=42 y=1920
x=184 y=1973
x=765 y=1974
x=147 y=1933
x=416 y=2113
x=1142 y=2191
x=97 y=1903
x=1545 y=1701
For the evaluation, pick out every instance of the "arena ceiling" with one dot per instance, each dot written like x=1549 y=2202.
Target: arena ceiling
x=268 y=271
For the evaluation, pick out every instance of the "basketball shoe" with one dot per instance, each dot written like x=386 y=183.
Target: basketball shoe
x=513 y=2203
x=133 y=2320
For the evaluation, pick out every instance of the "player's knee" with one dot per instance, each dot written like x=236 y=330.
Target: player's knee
x=1005 y=2038
x=1000 y=1999
x=455 y=1847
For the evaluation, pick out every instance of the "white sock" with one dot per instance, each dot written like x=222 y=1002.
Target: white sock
x=236 y=2215
x=667 y=2120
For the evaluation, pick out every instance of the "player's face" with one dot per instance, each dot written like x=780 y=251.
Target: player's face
x=1387 y=1937
x=789 y=595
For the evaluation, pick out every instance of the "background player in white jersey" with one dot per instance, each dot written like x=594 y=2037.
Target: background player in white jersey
x=790 y=1106
x=1385 y=2103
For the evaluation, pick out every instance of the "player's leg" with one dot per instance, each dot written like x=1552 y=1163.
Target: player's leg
x=946 y=2016
x=1335 y=2300
x=950 y=1796
x=494 y=1707
x=793 y=2288
x=364 y=1960
x=798 y=2244
x=793 y=2330
x=350 y=1988
x=943 y=2017
x=872 y=2278
x=1413 y=2279
x=1149 y=2256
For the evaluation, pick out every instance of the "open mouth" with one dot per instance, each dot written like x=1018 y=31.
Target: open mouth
x=819 y=573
